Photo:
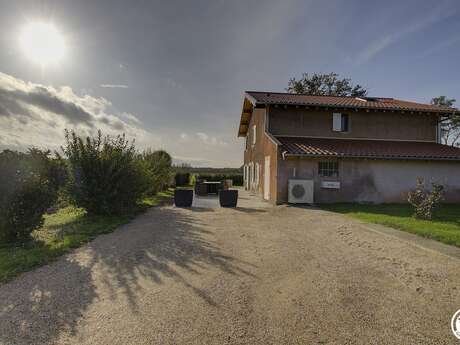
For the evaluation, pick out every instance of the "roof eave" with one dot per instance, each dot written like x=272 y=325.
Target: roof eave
x=286 y=154
x=353 y=107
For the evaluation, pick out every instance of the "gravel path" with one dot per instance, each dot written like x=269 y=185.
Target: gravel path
x=253 y=275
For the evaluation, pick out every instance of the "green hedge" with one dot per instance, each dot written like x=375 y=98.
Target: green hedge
x=182 y=179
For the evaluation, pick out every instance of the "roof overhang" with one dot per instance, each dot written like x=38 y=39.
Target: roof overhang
x=285 y=155
x=249 y=103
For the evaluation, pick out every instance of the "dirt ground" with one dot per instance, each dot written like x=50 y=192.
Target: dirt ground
x=252 y=275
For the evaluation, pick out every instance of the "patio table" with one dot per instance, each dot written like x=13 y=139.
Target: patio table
x=212 y=187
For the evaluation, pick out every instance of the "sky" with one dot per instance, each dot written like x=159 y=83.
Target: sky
x=171 y=74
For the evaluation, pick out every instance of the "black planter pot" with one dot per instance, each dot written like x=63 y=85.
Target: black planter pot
x=183 y=197
x=228 y=198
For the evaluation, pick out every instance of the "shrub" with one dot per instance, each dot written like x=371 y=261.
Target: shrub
x=106 y=174
x=28 y=186
x=182 y=179
x=159 y=163
x=425 y=202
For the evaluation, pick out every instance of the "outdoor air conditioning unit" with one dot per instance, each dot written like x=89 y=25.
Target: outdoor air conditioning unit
x=300 y=191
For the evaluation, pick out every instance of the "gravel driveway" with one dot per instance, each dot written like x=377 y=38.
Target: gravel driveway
x=252 y=275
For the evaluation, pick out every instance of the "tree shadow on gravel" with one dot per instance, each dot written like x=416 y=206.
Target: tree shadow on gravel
x=39 y=306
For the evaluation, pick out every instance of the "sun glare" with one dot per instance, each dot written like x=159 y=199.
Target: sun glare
x=42 y=43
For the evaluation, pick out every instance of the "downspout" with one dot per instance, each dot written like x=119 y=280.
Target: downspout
x=283 y=155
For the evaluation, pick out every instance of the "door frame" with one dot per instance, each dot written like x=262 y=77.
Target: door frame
x=267 y=178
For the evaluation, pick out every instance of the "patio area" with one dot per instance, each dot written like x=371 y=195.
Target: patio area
x=246 y=199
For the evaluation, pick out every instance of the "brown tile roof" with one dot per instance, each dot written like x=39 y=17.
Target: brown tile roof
x=376 y=103
x=373 y=149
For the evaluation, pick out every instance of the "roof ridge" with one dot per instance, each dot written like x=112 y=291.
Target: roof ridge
x=305 y=94
x=365 y=102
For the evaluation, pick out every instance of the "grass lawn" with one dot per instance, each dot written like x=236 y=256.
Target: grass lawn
x=445 y=227
x=68 y=228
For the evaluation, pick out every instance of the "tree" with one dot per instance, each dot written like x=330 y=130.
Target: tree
x=325 y=85
x=160 y=165
x=450 y=127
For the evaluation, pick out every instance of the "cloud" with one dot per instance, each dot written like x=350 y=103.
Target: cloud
x=208 y=140
x=203 y=136
x=380 y=44
x=36 y=115
x=114 y=86
x=442 y=46
x=18 y=102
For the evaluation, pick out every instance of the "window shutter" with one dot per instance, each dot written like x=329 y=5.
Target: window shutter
x=337 y=122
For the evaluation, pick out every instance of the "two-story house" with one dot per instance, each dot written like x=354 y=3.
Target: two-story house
x=350 y=149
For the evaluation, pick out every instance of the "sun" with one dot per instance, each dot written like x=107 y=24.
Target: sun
x=42 y=43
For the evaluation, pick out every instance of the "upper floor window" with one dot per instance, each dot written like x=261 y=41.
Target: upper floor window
x=340 y=122
x=328 y=169
x=254 y=134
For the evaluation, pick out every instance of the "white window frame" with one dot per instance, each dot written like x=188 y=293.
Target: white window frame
x=328 y=169
x=337 y=122
x=254 y=134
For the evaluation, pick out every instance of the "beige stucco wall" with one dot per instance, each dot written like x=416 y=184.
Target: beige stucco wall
x=373 y=125
x=263 y=147
x=378 y=181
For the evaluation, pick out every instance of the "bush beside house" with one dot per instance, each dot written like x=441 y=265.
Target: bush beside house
x=425 y=202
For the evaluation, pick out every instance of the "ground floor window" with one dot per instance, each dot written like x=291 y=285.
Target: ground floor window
x=328 y=169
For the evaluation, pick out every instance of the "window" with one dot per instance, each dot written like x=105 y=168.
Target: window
x=345 y=122
x=328 y=169
x=340 y=122
x=254 y=134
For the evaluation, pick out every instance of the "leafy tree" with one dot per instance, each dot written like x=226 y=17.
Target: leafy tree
x=160 y=165
x=325 y=85
x=450 y=127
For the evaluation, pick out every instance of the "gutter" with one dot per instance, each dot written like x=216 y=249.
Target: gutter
x=285 y=154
